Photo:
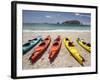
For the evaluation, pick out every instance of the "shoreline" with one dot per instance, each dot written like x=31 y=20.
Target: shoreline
x=56 y=31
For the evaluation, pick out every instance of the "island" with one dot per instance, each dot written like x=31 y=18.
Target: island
x=72 y=22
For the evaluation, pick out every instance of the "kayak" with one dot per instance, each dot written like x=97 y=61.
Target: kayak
x=74 y=52
x=39 y=49
x=86 y=46
x=54 y=49
x=30 y=44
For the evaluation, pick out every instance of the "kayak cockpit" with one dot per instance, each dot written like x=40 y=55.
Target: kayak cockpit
x=55 y=44
x=84 y=42
x=42 y=44
x=88 y=44
x=67 y=39
x=26 y=44
x=70 y=44
x=33 y=39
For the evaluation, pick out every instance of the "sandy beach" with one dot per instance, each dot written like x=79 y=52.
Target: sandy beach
x=64 y=58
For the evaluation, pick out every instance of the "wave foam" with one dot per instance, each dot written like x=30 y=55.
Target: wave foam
x=56 y=30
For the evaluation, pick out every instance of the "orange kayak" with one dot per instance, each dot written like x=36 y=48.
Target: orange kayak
x=53 y=51
x=38 y=51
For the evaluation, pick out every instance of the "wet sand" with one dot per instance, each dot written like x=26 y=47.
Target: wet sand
x=64 y=58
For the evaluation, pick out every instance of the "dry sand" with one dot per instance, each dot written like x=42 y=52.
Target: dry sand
x=64 y=58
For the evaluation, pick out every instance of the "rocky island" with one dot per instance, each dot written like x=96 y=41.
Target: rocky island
x=72 y=22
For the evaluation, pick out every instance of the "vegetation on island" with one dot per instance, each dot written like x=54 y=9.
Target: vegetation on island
x=72 y=22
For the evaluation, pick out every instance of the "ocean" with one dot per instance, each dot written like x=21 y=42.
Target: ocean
x=44 y=27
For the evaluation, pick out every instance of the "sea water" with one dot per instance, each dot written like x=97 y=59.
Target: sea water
x=44 y=27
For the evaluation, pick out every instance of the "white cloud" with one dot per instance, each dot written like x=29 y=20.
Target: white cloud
x=48 y=16
x=77 y=14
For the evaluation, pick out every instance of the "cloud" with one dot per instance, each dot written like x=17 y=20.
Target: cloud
x=83 y=15
x=48 y=16
x=77 y=14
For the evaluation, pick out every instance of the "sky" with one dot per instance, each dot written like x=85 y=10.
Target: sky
x=30 y=16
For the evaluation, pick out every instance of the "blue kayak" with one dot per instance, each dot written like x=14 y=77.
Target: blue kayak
x=31 y=43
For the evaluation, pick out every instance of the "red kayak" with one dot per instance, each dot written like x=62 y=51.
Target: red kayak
x=53 y=51
x=38 y=51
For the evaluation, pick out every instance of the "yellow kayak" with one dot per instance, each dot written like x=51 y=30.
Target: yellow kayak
x=74 y=52
x=85 y=45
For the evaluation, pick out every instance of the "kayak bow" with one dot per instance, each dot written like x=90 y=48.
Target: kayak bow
x=30 y=44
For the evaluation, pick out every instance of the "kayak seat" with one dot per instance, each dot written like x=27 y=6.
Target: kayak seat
x=55 y=44
x=84 y=42
x=70 y=44
x=35 y=39
x=32 y=39
x=47 y=39
x=58 y=39
x=88 y=44
x=67 y=39
x=26 y=44
x=42 y=44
